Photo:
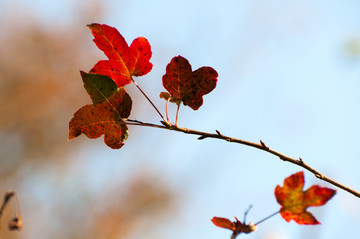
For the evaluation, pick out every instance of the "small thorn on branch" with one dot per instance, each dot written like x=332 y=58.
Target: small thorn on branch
x=264 y=145
x=218 y=132
x=301 y=160
x=201 y=137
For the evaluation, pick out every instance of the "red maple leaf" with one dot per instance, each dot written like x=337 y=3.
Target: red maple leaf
x=237 y=227
x=104 y=116
x=189 y=86
x=124 y=61
x=294 y=201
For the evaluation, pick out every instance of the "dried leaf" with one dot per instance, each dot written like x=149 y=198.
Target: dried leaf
x=104 y=118
x=294 y=201
x=166 y=96
x=189 y=86
x=237 y=227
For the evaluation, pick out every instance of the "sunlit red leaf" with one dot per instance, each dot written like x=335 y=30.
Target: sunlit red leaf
x=124 y=61
x=189 y=86
x=103 y=118
x=294 y=201
x=237 y=227
x=141 y=50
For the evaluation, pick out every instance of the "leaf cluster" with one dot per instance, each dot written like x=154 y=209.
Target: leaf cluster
x=106 y=80
x=111 y=106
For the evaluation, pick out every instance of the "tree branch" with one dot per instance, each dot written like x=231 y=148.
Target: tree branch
x=261 y=146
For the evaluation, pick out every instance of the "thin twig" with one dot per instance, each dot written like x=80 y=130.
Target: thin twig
x=262 y=146
x=140 y=123
x=246 y=213
x=16 y=222
x=8 y=195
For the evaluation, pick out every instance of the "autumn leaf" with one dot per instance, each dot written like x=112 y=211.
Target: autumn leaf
x=103 y=118
x=99 y=87
x=294 y=201
x=237 y=227
x=124 y=61
x=189 y=86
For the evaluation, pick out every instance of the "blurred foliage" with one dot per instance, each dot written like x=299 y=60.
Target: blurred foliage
x=353 y=48
x=38 y=73
x=40 y=89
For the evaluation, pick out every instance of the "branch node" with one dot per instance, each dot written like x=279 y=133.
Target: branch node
x=166 y=124
x=264 y=145
x=319 y=176
x=301 y=160
x=218 y=132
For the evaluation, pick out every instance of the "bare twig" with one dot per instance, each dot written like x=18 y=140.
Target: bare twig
x=140 y=123
x=246 y=213
x=262 y=146
x=16 y=222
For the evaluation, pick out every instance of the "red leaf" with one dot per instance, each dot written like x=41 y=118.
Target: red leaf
x=224 y=223
x=237 y=227
x=124 y=61
x=140 y=48
x=294 y=201
x=189 y=86
x=103 y=118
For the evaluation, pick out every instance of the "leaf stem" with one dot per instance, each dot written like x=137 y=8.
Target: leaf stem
x=266 y=218
x=148 y=99
x=177 y=115
x=167 y=110
x=262 y=146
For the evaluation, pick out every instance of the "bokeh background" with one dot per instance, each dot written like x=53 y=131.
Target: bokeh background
x=289 y=74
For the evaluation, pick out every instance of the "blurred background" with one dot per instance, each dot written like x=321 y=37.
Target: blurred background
x=289 y=74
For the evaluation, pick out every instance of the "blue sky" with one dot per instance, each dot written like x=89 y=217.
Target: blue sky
x=286 y=76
